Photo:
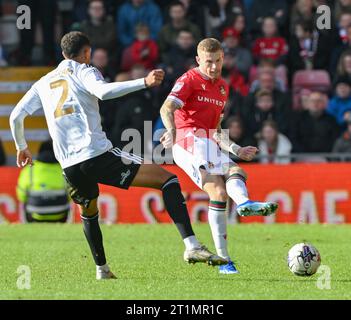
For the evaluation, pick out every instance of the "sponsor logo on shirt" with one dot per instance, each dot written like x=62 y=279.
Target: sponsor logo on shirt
x=210 y=100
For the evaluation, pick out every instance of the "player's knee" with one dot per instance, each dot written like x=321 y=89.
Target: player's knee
x=237 y=172
x=165 y=178
x=90 y=210
x=219 y=194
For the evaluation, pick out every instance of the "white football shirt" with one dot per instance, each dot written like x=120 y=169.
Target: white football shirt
x=69 y=96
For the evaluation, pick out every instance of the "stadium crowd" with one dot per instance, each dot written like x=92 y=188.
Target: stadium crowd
x=290 y=82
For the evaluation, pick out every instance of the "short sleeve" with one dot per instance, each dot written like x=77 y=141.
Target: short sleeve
x=181 y=90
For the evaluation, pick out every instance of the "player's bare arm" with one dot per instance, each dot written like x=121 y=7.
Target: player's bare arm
x=167 y=115
x=245 y=153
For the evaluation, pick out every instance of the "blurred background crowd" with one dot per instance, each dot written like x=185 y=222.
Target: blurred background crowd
x=290 y=82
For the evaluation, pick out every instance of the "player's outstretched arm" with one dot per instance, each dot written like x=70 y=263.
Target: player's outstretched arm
x=105 y=91
x=167 y=115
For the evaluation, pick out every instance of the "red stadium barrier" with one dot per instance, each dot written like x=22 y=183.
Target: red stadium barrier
x=307 y=193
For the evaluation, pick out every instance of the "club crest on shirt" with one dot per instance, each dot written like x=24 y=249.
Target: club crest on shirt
x=222 y=90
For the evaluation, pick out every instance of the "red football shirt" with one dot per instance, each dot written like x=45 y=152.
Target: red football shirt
x=202 y=101
x=271 y=48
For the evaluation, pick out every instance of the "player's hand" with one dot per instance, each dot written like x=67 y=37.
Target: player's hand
x=24 y=158
x=247 y=153
x=154 y=78
x=168 y=139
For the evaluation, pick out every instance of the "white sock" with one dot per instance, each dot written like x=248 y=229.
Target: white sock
x=191 y=243
x=218 y=222
x=104 y=268
x=236 y=189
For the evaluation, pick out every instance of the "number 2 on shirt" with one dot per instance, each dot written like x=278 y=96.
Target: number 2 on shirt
x=59 y=111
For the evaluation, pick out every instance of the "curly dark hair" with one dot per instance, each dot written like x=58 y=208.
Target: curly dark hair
x=73 y=42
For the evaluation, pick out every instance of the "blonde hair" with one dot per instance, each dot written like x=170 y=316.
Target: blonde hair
x=209 y=45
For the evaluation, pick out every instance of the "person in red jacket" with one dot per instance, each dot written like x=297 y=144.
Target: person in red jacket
x=144 y=50
x=271 y=45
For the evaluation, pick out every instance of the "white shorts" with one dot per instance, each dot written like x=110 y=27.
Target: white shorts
x=204 y=153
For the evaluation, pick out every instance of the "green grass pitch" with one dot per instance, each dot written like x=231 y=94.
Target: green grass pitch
x=147 y=260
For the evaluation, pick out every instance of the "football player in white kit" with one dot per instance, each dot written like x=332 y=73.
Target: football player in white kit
x=69 y=97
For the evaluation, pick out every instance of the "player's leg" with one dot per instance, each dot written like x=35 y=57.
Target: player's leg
x=215 y=187
x=154 y=176
x=85 y=192
x=237 y=191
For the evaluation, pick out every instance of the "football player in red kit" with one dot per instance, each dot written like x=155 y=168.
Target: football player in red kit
x=192 y=115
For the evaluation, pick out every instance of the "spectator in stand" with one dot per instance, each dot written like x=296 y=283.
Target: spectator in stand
x=302 y=10
x=242 y=56
x=340 y=7
x=314 y=130
x=344 y=65
x=195 y=12
x=273 y=146
x=338 y=51
x=343 y=22
x=265 y=105
x=261 y=9
x=340 y=104
x=42 y=11
x=238 y=23
x=219 y=13
x=98 y=27
x=231 y=73
x=144 y=50
x=268 y=66
x=343 y=143
x=2 y=154
x=271 y=45
x=170 y=31
x=133 y=110
x=309 y=49
x=100 y=60
x=237 y=134
x=133 y=12
x=181 y=56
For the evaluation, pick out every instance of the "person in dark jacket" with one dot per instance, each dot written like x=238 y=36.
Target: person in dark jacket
x=314 y=130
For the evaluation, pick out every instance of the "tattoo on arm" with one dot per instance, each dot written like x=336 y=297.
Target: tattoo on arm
x=167 y=113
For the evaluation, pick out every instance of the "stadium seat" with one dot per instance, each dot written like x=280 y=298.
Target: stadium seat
x=314 y=80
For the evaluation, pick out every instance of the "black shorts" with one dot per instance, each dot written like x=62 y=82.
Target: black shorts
x=114 y=168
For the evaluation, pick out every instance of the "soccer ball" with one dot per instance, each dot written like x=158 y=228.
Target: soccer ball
x=303 y=259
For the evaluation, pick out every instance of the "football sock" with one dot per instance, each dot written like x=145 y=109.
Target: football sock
x=191 y=243
x=218 y=222
x=176 y=207
x=94 y=237
x=104 y=268
x=236 y=189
